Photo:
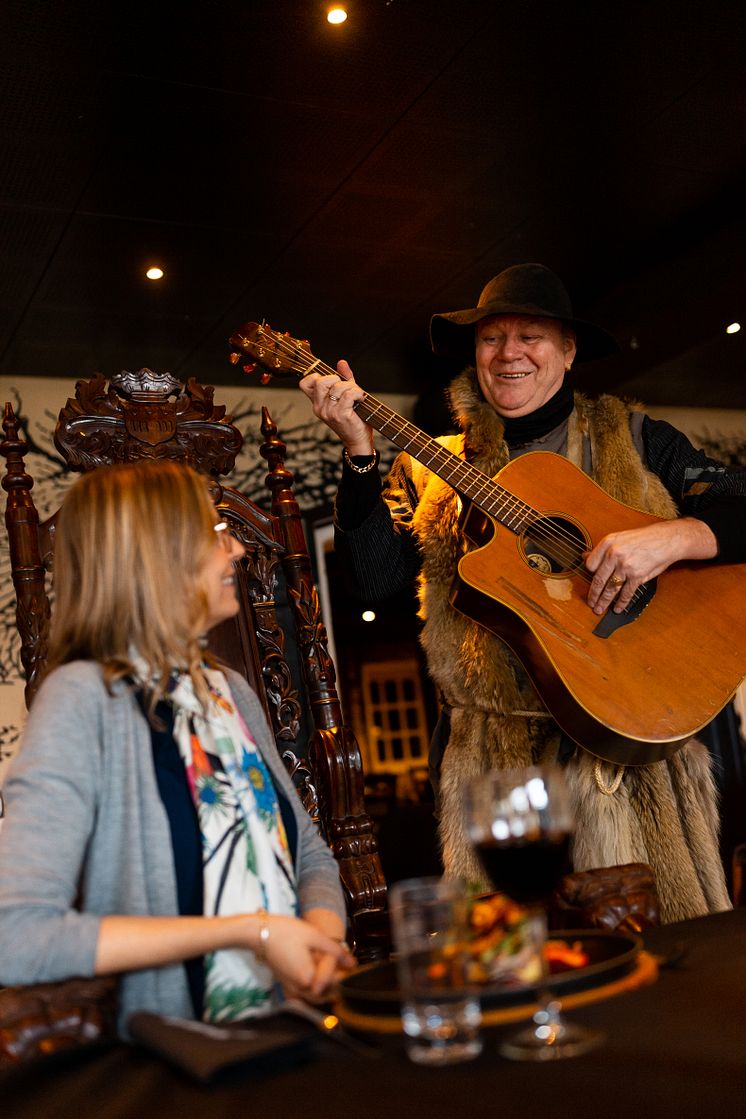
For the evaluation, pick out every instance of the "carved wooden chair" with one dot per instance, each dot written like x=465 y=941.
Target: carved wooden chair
x=278 y=641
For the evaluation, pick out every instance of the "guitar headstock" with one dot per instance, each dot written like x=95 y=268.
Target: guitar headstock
x=277 y=355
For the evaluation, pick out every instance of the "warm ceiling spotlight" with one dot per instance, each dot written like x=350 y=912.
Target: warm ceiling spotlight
x=369 y=615
x=336 y=15
x=733 y=328
x=154 y=273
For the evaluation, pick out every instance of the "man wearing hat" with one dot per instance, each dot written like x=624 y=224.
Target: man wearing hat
x=517 y=398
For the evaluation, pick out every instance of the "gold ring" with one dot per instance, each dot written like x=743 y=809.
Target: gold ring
x=615 y=581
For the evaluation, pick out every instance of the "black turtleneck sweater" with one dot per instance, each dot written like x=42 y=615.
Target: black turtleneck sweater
x=527 y=429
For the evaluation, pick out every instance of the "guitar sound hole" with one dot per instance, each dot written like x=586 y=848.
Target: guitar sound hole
x=554 y=546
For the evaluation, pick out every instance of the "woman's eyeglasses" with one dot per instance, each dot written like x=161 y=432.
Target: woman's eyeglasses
x=224 y=536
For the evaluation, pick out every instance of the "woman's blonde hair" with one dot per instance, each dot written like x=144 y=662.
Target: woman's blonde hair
x=131 y=543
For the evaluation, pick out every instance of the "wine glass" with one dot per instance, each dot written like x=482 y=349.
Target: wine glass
x=520 y=823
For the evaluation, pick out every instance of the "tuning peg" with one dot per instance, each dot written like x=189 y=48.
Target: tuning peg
x=234 y=358
x=249 y=367
x=265 y=378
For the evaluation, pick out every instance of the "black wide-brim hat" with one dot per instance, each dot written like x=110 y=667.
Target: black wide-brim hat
x=524 y=289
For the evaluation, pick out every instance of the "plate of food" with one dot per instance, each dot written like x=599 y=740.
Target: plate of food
x=504 y=969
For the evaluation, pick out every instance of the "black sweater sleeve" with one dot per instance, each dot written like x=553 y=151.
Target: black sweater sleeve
x=701 y=487
x=373 y=530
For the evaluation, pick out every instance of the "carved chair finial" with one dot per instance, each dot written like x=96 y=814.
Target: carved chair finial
x=27 y=564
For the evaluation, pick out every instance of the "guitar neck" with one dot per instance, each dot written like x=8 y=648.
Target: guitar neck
x=279 y=354
x=469 y=481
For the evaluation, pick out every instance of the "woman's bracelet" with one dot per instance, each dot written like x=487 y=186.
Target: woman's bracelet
x=362 y=469
x=261 y=949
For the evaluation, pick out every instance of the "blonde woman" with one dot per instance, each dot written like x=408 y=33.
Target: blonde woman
x=151 y=830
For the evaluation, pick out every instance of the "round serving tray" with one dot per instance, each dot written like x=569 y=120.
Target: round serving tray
x=369 y=997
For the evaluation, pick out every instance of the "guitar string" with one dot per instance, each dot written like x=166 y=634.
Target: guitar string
x=512 y=509
x=294 y=351
x=549 y=540
x=561 y=545
x=571 y=559
x=479 y=483
x=568 y=557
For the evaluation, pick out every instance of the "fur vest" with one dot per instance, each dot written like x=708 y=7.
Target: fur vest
x=664 y=814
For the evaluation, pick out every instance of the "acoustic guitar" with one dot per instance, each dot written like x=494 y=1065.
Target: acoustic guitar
x=630 y=687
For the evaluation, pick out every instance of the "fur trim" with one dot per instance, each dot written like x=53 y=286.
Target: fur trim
x=663 y=814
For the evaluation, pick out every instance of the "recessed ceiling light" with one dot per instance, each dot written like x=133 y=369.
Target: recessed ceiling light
x=733 y=328
x=336 y=15
x=369 y=615
x=154 y=273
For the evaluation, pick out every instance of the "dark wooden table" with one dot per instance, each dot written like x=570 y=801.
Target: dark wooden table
x=676 y=1048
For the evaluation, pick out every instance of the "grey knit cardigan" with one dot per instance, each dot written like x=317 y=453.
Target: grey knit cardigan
x=85 y=834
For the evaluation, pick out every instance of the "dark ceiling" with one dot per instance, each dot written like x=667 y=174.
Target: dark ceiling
x=346 y=182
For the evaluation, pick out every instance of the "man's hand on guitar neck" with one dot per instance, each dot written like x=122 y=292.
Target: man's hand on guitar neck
x=333 y=399
x=623 y=561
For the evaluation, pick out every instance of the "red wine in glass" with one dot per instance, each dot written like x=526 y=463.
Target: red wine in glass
x=519 y=822
x=526 y=870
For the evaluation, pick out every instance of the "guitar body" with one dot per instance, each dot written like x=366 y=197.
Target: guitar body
x=637 y=694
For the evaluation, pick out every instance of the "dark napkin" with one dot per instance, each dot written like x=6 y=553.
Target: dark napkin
x=207 y=1052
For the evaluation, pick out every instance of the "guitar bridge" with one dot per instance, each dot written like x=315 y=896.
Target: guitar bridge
x=611 y=622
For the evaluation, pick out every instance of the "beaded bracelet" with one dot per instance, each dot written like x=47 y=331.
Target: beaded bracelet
x=361 y=469
x=261 y=949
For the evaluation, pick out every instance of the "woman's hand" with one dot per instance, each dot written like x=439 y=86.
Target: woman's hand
x=304 y=957
x=333 y=400
x=327 y=969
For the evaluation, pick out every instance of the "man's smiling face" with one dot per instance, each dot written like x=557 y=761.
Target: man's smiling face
x=521 y=361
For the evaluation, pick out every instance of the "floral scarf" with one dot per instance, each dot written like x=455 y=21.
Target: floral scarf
x=247 y=864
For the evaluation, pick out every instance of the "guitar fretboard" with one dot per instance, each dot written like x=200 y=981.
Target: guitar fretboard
x=466 y=479
x=279 y=353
